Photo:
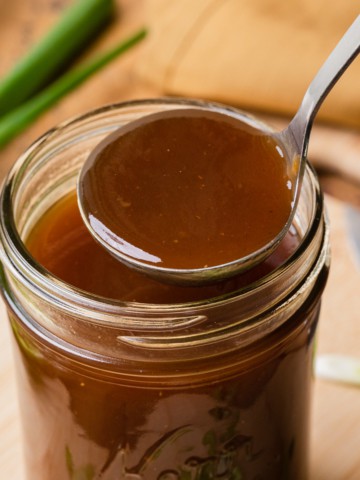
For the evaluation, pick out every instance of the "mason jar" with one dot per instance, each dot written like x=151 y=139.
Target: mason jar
x=214 y=384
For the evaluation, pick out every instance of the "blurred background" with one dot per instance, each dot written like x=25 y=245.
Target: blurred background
x=258 y=55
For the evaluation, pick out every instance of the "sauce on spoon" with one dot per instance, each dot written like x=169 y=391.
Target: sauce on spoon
x=186 y=189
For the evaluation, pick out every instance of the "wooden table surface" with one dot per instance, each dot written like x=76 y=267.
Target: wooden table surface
x=335 y=432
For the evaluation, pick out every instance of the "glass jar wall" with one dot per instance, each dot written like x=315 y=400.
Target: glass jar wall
x=194 y=383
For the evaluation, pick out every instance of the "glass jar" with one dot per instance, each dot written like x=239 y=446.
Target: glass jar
x=114 y=390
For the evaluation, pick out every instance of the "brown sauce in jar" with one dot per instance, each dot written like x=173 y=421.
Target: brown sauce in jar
x=187 y=189
x=239 y=422
x=129 y=414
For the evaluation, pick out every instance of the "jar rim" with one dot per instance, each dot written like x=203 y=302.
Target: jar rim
x=22 y=265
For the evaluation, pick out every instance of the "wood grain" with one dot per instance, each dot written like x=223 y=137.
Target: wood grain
x=335 y=431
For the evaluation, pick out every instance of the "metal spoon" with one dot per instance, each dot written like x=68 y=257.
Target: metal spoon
x=295 y=137
x=294 y=140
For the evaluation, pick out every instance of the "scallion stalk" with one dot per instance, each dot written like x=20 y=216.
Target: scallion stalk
x=338 y=368
x=76 y=28
x=18 y=119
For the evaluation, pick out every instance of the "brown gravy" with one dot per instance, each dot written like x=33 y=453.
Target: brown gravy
x=187 y=189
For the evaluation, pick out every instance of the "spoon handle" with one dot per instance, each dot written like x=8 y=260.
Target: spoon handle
x=340 y=58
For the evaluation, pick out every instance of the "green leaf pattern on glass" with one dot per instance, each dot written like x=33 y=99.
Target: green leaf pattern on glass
x=223 y=445
x=86 y=472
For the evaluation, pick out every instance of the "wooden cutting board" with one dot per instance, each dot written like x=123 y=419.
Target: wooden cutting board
x=335 y=431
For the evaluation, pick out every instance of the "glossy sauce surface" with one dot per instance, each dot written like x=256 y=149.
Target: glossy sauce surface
x=62 y=244
x=186 y=189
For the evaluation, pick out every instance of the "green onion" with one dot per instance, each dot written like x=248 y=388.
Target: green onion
x=338 y=368
x=76 y=28
x=15 y=121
